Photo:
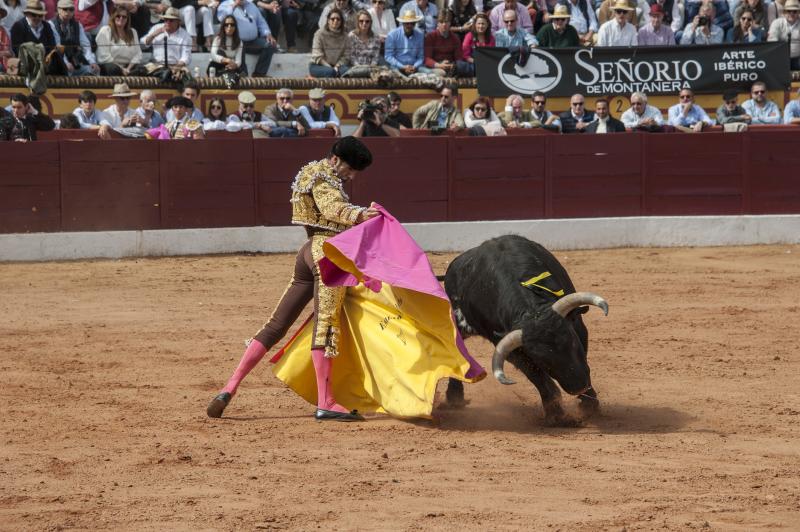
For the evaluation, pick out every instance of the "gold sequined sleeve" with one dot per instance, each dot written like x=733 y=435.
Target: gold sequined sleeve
x=334 y=205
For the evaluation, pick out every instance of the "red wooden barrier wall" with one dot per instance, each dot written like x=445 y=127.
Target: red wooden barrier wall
x=129 y=184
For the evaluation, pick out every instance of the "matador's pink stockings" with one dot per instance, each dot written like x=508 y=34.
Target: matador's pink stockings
x=252 y=356
x=322 y=367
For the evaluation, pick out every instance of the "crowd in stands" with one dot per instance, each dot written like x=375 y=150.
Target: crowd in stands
x=381 y=115
x=351 y=38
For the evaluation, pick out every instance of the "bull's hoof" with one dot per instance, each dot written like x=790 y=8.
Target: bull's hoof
x=589 y=407
x=455 y=402
x=563 y=420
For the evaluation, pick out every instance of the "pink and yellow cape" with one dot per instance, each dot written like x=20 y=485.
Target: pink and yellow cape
x=398 y=337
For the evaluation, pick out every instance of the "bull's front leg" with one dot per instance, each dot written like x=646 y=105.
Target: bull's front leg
x=589 y=403
x=455 y=393
x=554 y=414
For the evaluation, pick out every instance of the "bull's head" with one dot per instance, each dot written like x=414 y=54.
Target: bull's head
x=551 y=341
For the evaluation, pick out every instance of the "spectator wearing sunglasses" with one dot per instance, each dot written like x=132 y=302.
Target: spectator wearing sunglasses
x=746 y=30
x=618 y=31
x=217 y=115
x=118 y=50
x=330 y=52
x=120 y=114
x=289 y=122
x=33 y=29
x=78 y=57
x=687 y=116
x=382 y=19
x=759 y=107
x=227 y=49
x=730 y=112
x=253 y=31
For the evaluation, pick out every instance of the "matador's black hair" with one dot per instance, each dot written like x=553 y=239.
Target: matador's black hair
x=353 y=152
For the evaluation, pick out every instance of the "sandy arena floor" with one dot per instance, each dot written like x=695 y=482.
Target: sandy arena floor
x=106 y=368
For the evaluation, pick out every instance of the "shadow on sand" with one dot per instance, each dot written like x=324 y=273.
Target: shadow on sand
x=523 y=419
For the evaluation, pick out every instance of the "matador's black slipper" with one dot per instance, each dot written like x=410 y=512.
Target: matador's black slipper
x=218 y=404
x=324 y=415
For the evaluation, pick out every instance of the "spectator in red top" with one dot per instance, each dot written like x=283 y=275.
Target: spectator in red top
x=443 y=55
x=479 y=36
x=5 y=41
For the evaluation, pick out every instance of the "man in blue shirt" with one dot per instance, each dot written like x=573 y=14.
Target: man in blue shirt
x=427 y=12
x=405 y=46
x=253 y=31
x=791 y=114
x=687 y=115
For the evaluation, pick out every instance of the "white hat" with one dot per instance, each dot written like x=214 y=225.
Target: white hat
x=409 y=16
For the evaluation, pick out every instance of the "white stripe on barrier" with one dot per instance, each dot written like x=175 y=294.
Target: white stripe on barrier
x=577 y=233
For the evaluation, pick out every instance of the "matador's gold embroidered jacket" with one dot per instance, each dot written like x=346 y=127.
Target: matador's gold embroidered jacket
x=319 y=200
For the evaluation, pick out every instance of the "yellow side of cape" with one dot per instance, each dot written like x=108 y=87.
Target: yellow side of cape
x=395 y=345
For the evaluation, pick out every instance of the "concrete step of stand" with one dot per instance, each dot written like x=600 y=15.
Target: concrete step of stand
x=283 y=65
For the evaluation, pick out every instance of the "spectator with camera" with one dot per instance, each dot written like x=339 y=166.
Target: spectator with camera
x=404 y=46
x=24 y=120
x=440 y=115
x=288 y=120
x=395 y=117
x=318 y=115
x=372 y=120
x=702 y=30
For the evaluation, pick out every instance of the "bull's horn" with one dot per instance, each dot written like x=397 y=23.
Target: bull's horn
x=511 y=341
x=572 y=301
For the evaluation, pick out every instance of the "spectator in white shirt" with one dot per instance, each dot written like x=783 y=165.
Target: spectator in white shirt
x=178 y=41
x=640 y=115
x=618 y=32
x=120 y=114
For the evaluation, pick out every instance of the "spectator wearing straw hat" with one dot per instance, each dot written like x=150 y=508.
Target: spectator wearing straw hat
x=618 y=31
x=787 y=28
x=33 y=29
x=120 y=114
x=404 y=46
x=78 y=56
x=583 y=19
x=178 y=41
x=655 y=32
x=426 y=10
x=559 y=33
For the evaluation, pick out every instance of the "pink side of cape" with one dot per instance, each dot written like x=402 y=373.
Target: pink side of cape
x=383 y=250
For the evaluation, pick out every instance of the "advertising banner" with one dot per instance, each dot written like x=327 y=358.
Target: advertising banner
x=649 y=69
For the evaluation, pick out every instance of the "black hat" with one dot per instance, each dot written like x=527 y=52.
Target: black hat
x=730 y=94
x=352 y=151
x=180 y=100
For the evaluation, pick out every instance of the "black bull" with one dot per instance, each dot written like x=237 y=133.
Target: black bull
x=540 y=333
